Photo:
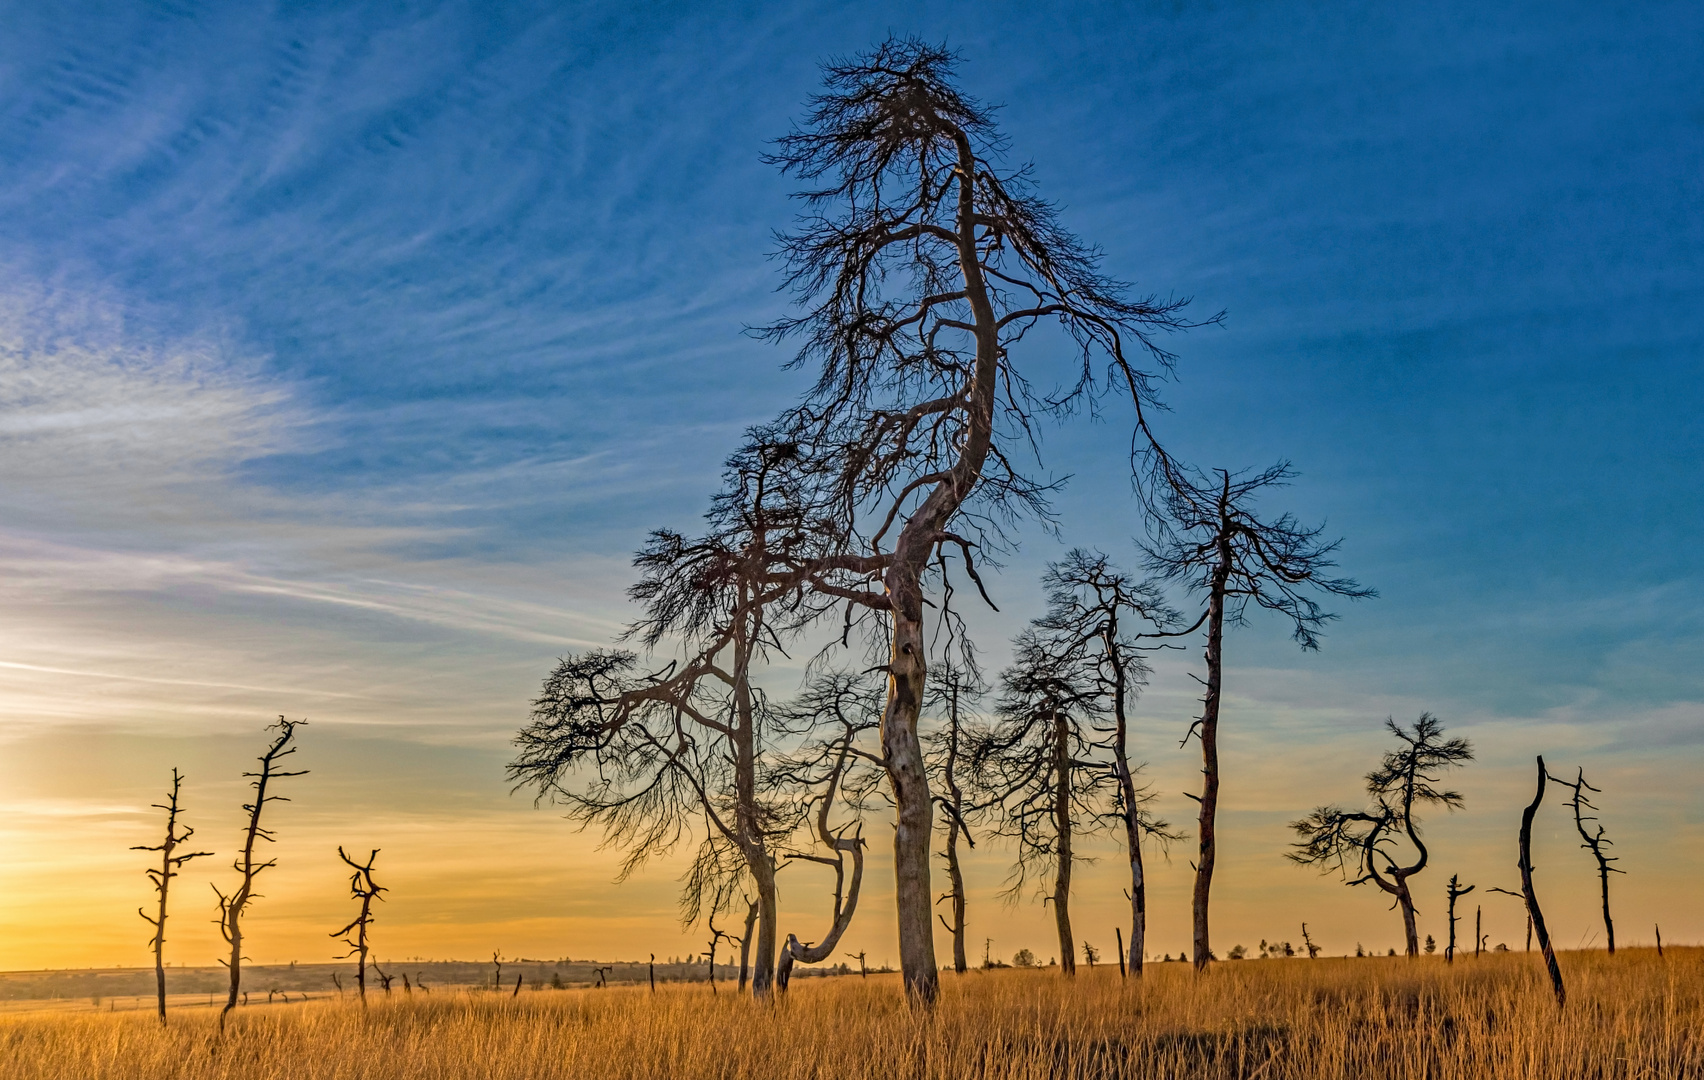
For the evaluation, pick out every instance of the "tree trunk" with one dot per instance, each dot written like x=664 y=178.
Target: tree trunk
x=763 y=971
x=1062 y=828
x=956 y=877
x=1132 y=831
x=1608 y=923
x=1533 y=910
x=745 y=946
x=1210 y=757
x=913 y=899
x=1405 y=900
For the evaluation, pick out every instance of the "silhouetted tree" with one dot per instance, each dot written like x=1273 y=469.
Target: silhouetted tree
x=362 y=887
x=170 y=864
x=1594 y=843
x=922 y=266
x=1456 y=892
x=1533 y=910
x=232 y=908
x=1371 y=839
x=1211 y=541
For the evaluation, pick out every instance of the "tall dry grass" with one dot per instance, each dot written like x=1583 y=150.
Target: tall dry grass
x=1631 y=1016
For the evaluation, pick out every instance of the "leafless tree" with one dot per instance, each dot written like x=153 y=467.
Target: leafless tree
x=1456 y=892
x=384 y=979
x=954 y=688
x=1307 y=942
x=1211 y=540
x=745 y=943
x=1091 y=608
x=1406 y=779
x=362 y=887
x=922 y=266
x=170 y=864
x=497 y=970
x=1533 y=910
x=647 y=757
x=601 y=973
x=1593 y=842
x=716 y=937
x=864 y=972
x=232 y=908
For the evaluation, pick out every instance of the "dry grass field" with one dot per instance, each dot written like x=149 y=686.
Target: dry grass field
x=1632 y=1016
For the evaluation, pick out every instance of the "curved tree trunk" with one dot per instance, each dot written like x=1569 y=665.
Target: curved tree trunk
x=843 y=912
x=1405 y=900
x=1533 y=912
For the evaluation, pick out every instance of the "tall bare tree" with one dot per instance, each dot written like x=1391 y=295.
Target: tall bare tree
x=1372 y=839
x=954 y=688
x=1091 y=608
x=362 y=887
x=232 y=908
x=1211 y=540
x=923 y=264
x=170 y=864
x=1593 y=842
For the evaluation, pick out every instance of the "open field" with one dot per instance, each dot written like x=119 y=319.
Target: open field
x=1631 y=1016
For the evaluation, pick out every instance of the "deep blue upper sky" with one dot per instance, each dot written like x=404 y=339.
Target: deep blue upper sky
x=501 y=258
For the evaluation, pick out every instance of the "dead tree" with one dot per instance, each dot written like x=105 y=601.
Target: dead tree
x=1313 y=950
x=651 y=972
x=601 y=972
x=1533 y=909
x=1091 y=608
x=1456 y=892
x=1211 y=541
x=384 y=979
x=170 y=864
x=716 y=937
x=829 y=773
x=1518 y=895
x=497 y=970
x=1594 y=843
x=1370 y=840
x=923 y=266
x=954 y=687
x=232 y=908
x=1037 y=773
x=652 y=758
x=362 y=887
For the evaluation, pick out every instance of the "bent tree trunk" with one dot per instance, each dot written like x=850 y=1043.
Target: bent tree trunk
x=1210 y=756
x=1062 y=825
x=1533 y=912
x=822 y=950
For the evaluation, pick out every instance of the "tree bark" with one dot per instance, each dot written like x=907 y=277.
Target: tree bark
x=1533 y=910
x=955 y=877
x=1210 y=756
x=745 y=945
x=1405 y=900
x=1062 y=827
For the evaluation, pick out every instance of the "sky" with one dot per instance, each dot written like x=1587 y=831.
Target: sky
x=347 y=351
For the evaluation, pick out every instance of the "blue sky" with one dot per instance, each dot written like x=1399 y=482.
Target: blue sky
x=346 y=350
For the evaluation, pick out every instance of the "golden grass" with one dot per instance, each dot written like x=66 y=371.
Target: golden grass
x=1630 y=1016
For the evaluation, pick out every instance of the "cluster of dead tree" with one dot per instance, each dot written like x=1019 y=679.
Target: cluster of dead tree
x=936 y=289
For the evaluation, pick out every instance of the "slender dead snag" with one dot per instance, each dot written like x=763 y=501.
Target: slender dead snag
x=170 y=864
x=497 y=970
x=1407 y=778
x=864 y=972
x=384 y=979
x=1478 y=937
x=745 y=942
x=1307 y=942
x=1595 y=843
x=1456 y=892
x=407 y=987
x=516 y=992
x=1659 y=941
x=337 y=982
x=1119 y=934
x=715 y=938
x=1531 y=896
x=953 y=687
x=651 y=970
x=600 y=972
x=363 y=888
x=233 y=907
